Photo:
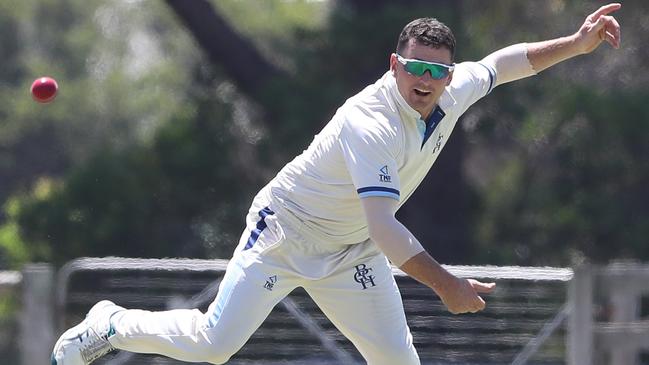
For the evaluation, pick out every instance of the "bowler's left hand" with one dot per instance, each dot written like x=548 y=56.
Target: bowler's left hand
x=599 y=27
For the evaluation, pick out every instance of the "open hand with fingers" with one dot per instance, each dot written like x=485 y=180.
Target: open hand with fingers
x=464 y=295
x=599 y=27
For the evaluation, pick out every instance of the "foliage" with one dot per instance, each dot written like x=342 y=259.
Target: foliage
x=149 y=151
x=148 y=201
x=584 y=191
x=117 y=85
x=561 y=183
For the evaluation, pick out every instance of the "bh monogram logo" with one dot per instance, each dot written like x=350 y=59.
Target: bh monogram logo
x=363 y=277
x=270 y=283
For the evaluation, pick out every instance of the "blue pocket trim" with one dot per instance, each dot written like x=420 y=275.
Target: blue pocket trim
x=261 y=225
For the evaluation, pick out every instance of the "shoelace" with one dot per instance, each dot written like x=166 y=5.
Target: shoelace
x=95 y=346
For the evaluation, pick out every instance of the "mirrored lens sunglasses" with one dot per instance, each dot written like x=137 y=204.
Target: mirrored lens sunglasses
x=437 y=71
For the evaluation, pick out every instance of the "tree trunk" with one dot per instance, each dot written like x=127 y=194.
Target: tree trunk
x=224 y=46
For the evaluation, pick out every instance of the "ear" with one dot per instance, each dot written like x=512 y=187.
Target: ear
x=449 y=78
x=393 y=63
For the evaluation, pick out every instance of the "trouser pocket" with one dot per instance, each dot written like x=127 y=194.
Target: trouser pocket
x=265 y=233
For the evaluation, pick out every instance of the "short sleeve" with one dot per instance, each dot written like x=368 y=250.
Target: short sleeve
x=369 y=148
x=471 y=81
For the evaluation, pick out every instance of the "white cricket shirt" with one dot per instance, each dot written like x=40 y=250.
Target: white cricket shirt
x=375 y=145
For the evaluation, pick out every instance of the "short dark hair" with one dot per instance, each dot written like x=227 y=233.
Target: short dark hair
x=427 y=32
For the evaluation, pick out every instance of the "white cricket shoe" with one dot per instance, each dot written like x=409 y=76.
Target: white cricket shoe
x=87 y=341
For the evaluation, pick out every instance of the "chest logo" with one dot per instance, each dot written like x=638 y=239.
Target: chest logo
x=270 y=283
x=384 y=175
x=438 y=144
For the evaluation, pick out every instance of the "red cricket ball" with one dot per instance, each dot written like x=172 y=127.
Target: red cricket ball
x=44 y=89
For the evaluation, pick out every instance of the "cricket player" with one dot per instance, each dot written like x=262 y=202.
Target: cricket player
x=327 y=223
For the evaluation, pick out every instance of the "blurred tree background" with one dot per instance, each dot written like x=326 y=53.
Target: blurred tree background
x=171 y=115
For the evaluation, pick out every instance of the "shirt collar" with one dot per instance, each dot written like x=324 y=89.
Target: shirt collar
x=393 y=90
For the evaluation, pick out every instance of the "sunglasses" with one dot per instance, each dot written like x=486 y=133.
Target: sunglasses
x=418 y=68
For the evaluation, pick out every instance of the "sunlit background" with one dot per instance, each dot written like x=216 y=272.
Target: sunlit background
x=171 y=115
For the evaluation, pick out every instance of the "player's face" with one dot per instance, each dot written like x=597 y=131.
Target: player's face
x=421 y=92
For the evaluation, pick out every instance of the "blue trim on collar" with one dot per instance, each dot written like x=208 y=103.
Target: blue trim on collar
x=432 y=122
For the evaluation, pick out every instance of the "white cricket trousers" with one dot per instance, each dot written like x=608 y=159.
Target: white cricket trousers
x=354 y=288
